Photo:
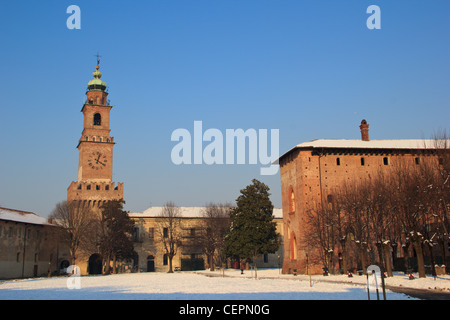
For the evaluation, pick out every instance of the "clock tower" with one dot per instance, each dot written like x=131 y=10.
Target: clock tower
x=95 y=150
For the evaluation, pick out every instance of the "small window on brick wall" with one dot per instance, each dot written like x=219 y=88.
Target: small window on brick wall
x=97 y=119
x=330 y=198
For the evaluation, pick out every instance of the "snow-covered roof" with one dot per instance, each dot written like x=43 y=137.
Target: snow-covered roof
x=186 y=212
x=377 y=144
x=22 y=216
x=407 y=144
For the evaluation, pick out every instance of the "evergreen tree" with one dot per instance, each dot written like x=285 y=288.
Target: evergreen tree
x=252 y=231
x=115 y=234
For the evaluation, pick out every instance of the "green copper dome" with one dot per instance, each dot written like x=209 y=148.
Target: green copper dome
x=97 y=84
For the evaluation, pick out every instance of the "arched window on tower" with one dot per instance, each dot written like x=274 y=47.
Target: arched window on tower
x=97 y=119
x=293 y=247
x=291 y=200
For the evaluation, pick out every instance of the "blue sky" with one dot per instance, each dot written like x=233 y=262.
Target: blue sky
x=311 y=69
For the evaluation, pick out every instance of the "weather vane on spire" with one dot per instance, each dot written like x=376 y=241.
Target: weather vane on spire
x=98 y=58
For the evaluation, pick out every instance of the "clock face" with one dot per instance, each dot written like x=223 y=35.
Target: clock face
x=97 y=160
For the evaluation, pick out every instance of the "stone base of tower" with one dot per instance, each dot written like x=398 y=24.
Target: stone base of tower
x=92 y=195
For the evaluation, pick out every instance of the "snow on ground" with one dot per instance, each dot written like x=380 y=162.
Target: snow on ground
x=441 y=283
x=194 y=286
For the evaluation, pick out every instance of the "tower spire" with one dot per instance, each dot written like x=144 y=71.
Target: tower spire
x=98 y=59
x=97 y=84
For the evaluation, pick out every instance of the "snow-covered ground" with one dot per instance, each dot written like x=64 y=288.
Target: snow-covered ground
x=439 y=284
x=270 y=285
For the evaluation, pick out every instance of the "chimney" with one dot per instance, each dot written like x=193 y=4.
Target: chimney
x=364 y=130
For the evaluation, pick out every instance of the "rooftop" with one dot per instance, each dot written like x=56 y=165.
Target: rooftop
x=366 y=143
x=22 y=216
x=186 y=212
x=377 y=144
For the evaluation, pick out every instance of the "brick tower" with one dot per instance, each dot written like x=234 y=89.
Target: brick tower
x=95 y=149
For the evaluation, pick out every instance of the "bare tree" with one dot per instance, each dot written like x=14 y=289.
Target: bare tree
x=75 y=222
x=442 y=189
x=321 y=233
x=409 y=206
x=215 y=225
x=169 y=231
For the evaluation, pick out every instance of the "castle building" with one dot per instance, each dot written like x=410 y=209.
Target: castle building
x=311 y=171
x=150 y=254
x=28 y=245
x=95 y=150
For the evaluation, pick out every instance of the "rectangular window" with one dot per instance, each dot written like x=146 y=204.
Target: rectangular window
x=386 y=161
x=338 y=161
x=151 y=233
x=417 y=160
x=166 y=233
x=363 y=161
x=136 y=234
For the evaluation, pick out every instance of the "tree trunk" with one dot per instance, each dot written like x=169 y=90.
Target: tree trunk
x=107 y=265
x=406 y=257
x=170 y=265
x=344 y=257
x=387 y=259
x=211 y=262
x=443 y=250
x=363 y=258
x=420 y=260
x=433 y=267
x=380 y=249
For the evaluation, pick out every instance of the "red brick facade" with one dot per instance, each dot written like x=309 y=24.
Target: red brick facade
x=312 y=170
x=95 y=149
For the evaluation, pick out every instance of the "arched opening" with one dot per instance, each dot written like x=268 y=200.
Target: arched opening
x=291 y=200
x=95 y=264
x=64 y=265
x=97 y=119
x=150 y=264
x=293 y=247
